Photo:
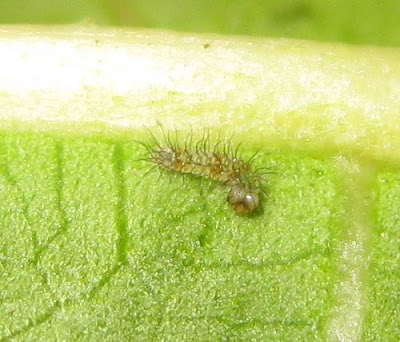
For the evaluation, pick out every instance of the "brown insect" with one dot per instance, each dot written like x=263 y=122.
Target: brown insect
x=220 y=163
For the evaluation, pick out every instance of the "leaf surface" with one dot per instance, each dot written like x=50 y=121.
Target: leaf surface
x=95 y=248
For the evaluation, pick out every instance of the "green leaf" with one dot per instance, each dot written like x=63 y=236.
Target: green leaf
x=94 y=247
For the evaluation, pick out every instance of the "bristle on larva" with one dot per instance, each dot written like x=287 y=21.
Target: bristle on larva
x=219 y=165
x=211 y=165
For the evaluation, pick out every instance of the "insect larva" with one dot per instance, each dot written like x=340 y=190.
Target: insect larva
x=243 y=200
x=220 y=163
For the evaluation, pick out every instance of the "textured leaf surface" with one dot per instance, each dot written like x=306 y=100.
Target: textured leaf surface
x=84 y=256
x=92 y=248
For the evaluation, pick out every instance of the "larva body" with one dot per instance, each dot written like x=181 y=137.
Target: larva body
x=211 y=165
x=222 y=165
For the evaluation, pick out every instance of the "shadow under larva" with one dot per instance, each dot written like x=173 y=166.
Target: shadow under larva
x=219 y=161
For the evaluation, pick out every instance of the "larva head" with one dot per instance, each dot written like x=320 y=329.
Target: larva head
x=243 y=200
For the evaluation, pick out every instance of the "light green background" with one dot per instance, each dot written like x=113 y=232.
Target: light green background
x=354 y=21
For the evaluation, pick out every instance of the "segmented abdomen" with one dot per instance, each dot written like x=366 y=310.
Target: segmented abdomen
x=211 y=165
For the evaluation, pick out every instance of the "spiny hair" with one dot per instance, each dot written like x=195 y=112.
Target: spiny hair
x=219 y=161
